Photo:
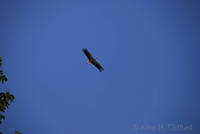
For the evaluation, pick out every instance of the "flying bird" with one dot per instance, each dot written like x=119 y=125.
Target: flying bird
x=92 y=60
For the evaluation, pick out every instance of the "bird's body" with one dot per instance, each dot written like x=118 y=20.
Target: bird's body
x=92 y=60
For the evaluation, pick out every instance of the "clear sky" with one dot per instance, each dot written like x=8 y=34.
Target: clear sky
x=149 y=50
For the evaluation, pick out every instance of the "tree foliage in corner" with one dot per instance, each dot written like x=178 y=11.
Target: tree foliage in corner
x=6 y=98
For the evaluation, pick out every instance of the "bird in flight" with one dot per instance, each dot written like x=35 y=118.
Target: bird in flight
x=92 y=60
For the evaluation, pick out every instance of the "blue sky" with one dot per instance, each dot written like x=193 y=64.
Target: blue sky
x=148 y=48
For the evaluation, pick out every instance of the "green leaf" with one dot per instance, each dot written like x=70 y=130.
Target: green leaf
x=17 y=132
x=3 y=78
x=0 y=61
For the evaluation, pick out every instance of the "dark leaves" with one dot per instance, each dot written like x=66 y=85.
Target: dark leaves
x=6 y=98
x=17 y=132
x=0 y=61
x=3 y=78
x=2 y=117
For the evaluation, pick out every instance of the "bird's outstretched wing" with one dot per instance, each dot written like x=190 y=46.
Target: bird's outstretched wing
x=97 y=65
x=87 y=53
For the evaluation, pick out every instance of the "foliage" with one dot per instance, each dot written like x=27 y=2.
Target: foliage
x=6 y=98
x=17 y=132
